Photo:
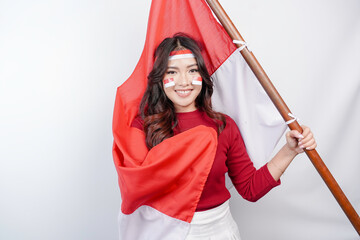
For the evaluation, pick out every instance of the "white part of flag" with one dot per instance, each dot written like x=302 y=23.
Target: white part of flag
x=238 y=93
x=147 y=223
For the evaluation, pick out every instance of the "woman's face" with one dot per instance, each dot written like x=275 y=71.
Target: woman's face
x=182 y=83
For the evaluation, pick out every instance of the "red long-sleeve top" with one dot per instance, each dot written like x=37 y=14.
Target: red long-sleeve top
x=231 y=157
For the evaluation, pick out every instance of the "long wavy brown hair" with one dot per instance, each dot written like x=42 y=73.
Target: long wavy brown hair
x=157 y=111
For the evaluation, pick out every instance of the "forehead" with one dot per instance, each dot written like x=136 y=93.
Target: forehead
x=182 y=62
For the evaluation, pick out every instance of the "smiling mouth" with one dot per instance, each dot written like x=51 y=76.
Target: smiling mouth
x=183 y=93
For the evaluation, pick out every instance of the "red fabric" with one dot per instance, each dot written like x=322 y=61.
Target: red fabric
x=170 y=177
x=180 y=52
x=140 y=171
x=231 y=156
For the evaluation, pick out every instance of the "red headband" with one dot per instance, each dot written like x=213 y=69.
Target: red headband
x=181 y=54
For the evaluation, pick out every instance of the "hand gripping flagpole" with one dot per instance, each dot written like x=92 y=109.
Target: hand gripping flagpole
x=285 y=112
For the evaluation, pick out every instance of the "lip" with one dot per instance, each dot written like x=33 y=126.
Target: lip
x=183 y=92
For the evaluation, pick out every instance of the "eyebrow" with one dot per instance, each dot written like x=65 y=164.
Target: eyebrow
x=189 y=66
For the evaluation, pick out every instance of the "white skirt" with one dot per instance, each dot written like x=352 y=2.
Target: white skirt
x=214 y=224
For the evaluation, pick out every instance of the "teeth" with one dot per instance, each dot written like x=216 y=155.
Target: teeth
x=183 y=92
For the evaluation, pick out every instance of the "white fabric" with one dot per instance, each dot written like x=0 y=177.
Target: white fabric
x=238 y=93
x=146 y=223
x=214 y=224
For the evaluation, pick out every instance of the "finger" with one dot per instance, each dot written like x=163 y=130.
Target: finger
x=312 y=147
x=295 y=134
x=306 y=138
x=306 y=129
x=307 y=144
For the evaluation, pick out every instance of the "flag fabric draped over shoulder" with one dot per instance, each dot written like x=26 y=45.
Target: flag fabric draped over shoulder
x=160 y=188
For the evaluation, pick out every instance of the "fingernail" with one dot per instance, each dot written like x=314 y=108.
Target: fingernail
x=301 y=136
x=301 y=146
x=308 y=148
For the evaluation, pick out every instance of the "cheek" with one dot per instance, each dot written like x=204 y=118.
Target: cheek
x=197 y=89
x=169 y=92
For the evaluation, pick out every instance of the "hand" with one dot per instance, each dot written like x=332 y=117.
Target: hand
x=298 y=142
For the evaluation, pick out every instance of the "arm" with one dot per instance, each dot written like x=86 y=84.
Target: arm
x=295 y=144
x=250 y=183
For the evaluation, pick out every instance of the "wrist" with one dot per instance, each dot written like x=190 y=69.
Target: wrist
x=290 y=152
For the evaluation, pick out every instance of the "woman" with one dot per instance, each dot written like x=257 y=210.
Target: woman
x=178 y=98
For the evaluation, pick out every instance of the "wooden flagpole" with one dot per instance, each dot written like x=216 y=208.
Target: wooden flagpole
x=284 y=111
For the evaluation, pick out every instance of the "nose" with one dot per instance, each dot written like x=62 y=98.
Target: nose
x=184 y=80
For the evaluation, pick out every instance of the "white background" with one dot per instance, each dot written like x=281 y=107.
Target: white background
x=60 y=64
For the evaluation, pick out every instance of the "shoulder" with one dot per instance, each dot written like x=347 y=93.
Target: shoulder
x=232 y=136
x=230 y=123
x=231 y=129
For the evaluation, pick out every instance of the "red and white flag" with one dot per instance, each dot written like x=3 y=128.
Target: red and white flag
x=169 y=82
x=197 y=81
x=160 y=188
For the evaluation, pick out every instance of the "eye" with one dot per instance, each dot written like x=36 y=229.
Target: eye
x=170 y=72
x=194 y=70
